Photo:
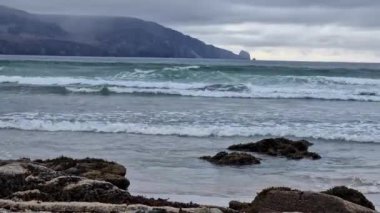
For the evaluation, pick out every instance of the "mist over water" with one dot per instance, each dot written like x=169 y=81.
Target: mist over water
x=157 y=116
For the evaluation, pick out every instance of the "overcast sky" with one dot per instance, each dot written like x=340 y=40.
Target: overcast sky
x=318 y=30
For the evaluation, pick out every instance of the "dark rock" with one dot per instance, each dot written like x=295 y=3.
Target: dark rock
x=96 y=169
x=245 y=55
x=279 y=147
x=12 y=178
x=234 y=158
x=27 y=195
x=30 y=181
x=25 y=180
x=238 y=206
x=351 y=195
x=287 y=200
x=87 y=190
x=159 y=202
x=105 y=91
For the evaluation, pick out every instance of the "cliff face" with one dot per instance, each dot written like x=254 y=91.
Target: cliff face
x=25 y=33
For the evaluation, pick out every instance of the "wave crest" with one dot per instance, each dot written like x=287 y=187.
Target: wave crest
x=271 y=88
x=360 y=132
x=181 y=68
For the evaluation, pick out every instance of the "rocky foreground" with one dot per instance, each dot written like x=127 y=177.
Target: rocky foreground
x=94 y=185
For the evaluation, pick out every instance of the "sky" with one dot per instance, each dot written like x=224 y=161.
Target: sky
x=298 y=30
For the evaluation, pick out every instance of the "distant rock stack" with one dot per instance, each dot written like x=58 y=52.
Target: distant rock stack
x=245 y=55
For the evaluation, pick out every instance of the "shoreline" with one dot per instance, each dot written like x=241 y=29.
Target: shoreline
x=66 y=184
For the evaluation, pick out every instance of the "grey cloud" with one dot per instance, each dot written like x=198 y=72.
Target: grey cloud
x=175 y=12
x=281 y=24
x=306 y=3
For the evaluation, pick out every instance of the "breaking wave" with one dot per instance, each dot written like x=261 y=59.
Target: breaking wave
x=181 y=68
x=360 y=132
x=273 y=87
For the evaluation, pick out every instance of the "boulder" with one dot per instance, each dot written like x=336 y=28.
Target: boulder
x=238 y=206
x=12 y=178
x=30 y=181
x=234 y=158
x=26 y=180
x=88 y=190
x=279 y=147
x=351 y=195
x=92 y=168
x=287 y=200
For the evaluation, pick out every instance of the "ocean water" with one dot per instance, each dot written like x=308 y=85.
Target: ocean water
x=157 y=116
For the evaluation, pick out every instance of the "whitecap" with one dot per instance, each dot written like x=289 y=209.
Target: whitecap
x=360 y=132
x=181 y=68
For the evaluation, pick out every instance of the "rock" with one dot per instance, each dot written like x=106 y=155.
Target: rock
x=96 y=169
x=160 y=202
x=34 y=206
x=12 y=178
x=351 y=195
x=87 y=190
x=238 y=206
x=234 y=158
x=25 y=180
x=34 y=194
x=245 y=55
x=29 y=181
x=288 y=200
x=279 y=147
x=66 y=188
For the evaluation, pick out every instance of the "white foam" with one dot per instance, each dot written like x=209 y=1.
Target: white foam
x=352 y=81
x=258 y=92
x=180 y=68
x=83 y=89
x=368 y=92
x=67 y=81
x=137 y=73
x=324 y=80
x=361 y=132
x=366 y=186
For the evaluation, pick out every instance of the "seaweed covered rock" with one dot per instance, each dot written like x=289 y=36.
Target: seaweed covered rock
x=68 y=188
x=92 y=168
x=234 y=158
x=29 y=181
x=12 y=178
x=34 y=206
x=351 y=195
x=279 y=147
x=25 y=180
x=284 y=199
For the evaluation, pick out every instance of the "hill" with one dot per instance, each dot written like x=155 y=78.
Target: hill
x=32 y=34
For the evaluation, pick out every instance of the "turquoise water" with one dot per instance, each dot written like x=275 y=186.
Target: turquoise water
x=157 y=116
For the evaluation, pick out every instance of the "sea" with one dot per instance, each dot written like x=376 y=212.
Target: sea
x=158 y=116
